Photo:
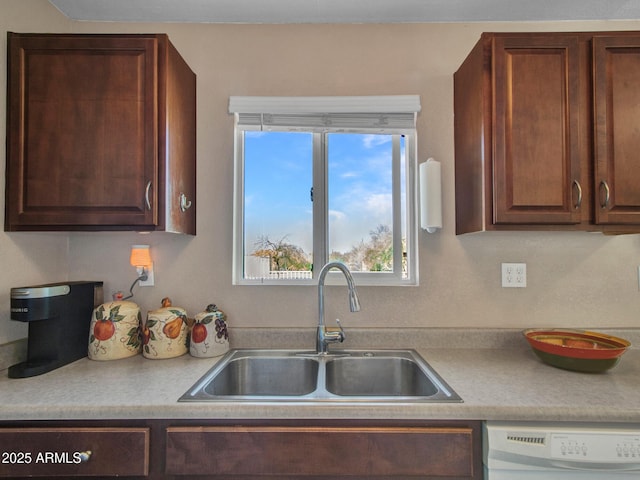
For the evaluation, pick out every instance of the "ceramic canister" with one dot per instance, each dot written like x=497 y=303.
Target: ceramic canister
x=115 y=331
x=165 y=332
x=209 y=336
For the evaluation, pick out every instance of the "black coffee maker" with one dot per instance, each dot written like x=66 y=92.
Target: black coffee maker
x=59 y=317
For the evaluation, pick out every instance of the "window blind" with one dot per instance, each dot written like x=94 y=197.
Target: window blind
x=387 y=114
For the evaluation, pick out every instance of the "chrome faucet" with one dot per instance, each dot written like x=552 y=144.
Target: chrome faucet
x=324 y=337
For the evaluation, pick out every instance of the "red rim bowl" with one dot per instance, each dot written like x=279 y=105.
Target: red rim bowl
x=576 y=350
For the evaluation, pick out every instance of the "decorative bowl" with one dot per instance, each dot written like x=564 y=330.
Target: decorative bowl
x=577 y=350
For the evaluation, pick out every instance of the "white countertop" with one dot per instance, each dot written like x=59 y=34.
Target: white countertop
x=495 y=383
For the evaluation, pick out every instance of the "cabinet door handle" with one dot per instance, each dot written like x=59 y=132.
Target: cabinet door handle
x=607 y=193
x=146 y=195
x=184 y=203
x=576 y=184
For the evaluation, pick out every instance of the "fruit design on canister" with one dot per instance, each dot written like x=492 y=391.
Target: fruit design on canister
x=199 y=332
x=114 y=331
x=165 y=333
x=222 y=335
x=147 y=334
x=209 y=335
x=104 y=327
x=173 y=328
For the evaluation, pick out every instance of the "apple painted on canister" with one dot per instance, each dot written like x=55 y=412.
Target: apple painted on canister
x=115 y=331
x=209 y=335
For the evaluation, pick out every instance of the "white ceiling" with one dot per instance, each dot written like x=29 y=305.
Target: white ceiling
x=346 y=11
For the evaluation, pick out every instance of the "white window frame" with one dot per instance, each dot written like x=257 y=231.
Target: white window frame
x=390 y=115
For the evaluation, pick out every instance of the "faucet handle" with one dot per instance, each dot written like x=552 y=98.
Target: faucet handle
x=342 y=334
x=325 y=336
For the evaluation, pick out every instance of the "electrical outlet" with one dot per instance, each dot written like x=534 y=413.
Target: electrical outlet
x=514 y=275
x=150 y=281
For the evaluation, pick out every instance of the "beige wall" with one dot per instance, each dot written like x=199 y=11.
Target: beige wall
x=25 y=259
x=575 y=279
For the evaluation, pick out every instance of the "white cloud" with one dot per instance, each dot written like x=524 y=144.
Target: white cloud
x=378 y=204
x=337 y=215
x=371 y=140
x=360 y=213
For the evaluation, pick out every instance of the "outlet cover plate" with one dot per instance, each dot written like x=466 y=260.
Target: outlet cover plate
x=514 y=275
x=150 y=281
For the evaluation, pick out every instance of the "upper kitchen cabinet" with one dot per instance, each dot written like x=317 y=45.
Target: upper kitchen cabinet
x=616 y=66
x=100 y=134
x=526 y=153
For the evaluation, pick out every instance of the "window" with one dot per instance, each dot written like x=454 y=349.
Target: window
x=319 y=179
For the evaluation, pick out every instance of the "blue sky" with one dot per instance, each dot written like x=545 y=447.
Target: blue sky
x=278 y=178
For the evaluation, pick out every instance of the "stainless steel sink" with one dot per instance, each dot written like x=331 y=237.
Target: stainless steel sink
x=340 y=376
x=378 y=376
x=265 y=375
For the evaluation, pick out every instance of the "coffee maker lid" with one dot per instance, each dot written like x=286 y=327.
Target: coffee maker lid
x=42 y=291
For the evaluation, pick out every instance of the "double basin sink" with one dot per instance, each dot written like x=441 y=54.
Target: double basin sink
x=342 y=376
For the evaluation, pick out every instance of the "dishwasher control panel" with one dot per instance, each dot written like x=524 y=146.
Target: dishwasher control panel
x=610 y=447
x=561 y=450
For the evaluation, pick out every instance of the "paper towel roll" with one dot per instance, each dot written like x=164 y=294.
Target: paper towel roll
x=430 y=196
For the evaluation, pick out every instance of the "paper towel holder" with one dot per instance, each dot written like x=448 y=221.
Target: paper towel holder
x=430 y=195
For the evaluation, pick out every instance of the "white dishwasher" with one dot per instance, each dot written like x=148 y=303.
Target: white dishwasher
x=561 y=451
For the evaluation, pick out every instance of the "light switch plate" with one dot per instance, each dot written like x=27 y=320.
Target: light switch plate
x=514 y=275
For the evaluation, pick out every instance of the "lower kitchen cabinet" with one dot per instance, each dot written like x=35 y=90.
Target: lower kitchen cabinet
x=243 y=450
x=302 y=452
x=74 y=452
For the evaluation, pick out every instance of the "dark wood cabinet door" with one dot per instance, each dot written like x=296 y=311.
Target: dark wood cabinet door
x=536 y=120
x=546 y=133
x=177 y=145
x=82 y=131
x=616 y=62
x=74 y=452
x=343 y=452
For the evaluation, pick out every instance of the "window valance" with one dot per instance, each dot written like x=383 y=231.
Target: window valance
x=388 y=114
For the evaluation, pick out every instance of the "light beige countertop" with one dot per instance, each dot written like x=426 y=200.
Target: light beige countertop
x=495 y=372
